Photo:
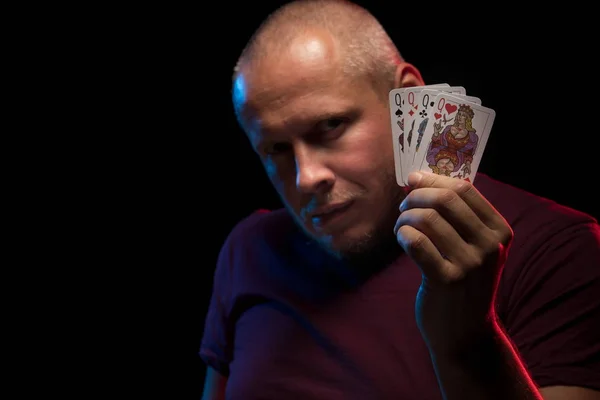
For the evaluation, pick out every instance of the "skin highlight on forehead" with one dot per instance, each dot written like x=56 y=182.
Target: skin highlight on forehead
x=313 y=50
x=308 y=65
x=306 y=61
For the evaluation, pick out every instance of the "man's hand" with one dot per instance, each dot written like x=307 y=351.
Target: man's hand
x=460 y=242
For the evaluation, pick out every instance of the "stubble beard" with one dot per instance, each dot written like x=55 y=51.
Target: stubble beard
x=378 y=247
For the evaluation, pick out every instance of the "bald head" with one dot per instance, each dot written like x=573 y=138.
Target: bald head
x=310 y=30
x=311 y=93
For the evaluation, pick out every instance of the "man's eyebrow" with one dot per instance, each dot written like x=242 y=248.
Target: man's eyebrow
x=311 y=120
x=303 y=123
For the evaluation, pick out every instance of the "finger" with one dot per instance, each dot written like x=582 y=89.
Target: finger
x=454 y=210
x=443 y=236
x=480 y=206
x=425 y=254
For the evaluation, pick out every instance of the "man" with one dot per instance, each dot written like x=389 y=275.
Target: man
x=361 y=289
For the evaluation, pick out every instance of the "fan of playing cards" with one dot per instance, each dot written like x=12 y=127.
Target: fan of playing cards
x=438 y=128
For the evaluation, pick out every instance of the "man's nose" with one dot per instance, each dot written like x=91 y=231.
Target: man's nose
x=312 y=175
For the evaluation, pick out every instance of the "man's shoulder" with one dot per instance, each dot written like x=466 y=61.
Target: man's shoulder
x=525 y=210
x=252 y=241
x=259 y=233
x=263 y=224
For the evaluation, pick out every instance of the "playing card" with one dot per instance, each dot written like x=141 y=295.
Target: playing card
x=455 y=138
x=415 y=110
x=396 y=99
x=425 y=100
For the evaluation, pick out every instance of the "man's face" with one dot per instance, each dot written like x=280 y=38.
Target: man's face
x=325 y=142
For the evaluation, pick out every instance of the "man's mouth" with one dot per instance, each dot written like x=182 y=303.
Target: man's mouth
x=326 y=215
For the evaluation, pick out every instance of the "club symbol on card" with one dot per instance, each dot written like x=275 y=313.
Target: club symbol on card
x=423 y=113
x=398 y=112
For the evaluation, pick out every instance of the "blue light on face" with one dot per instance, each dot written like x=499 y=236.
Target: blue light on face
x=270 y=167
x=239 y=92
x=240 y=97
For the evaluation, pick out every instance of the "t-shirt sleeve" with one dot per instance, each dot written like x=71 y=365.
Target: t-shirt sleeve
x=553 y=315
x=216 y=347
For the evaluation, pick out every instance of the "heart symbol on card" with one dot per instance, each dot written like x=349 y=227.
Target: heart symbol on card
x=437 y=116
x=450 y=108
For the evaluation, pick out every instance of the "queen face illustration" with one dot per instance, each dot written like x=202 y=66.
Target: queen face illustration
x=462 y=118
x=445 y=166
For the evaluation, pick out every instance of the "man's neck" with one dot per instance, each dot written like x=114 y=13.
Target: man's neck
x=359 y=266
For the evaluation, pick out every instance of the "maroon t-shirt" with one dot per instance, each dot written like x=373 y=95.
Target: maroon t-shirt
x=283 y=324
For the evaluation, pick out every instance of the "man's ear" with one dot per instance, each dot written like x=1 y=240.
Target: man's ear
x=407 y=75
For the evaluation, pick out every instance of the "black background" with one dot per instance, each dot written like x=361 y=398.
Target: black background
x=191 y=175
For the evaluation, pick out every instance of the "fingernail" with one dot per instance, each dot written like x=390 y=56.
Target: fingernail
x=414 y=178
x=403 y=205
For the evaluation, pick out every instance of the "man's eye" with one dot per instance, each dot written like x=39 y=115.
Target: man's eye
x=330 y=124
x=277 y=148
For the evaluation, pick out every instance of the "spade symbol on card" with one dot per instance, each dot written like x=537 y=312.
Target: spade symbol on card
x=399 y=112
